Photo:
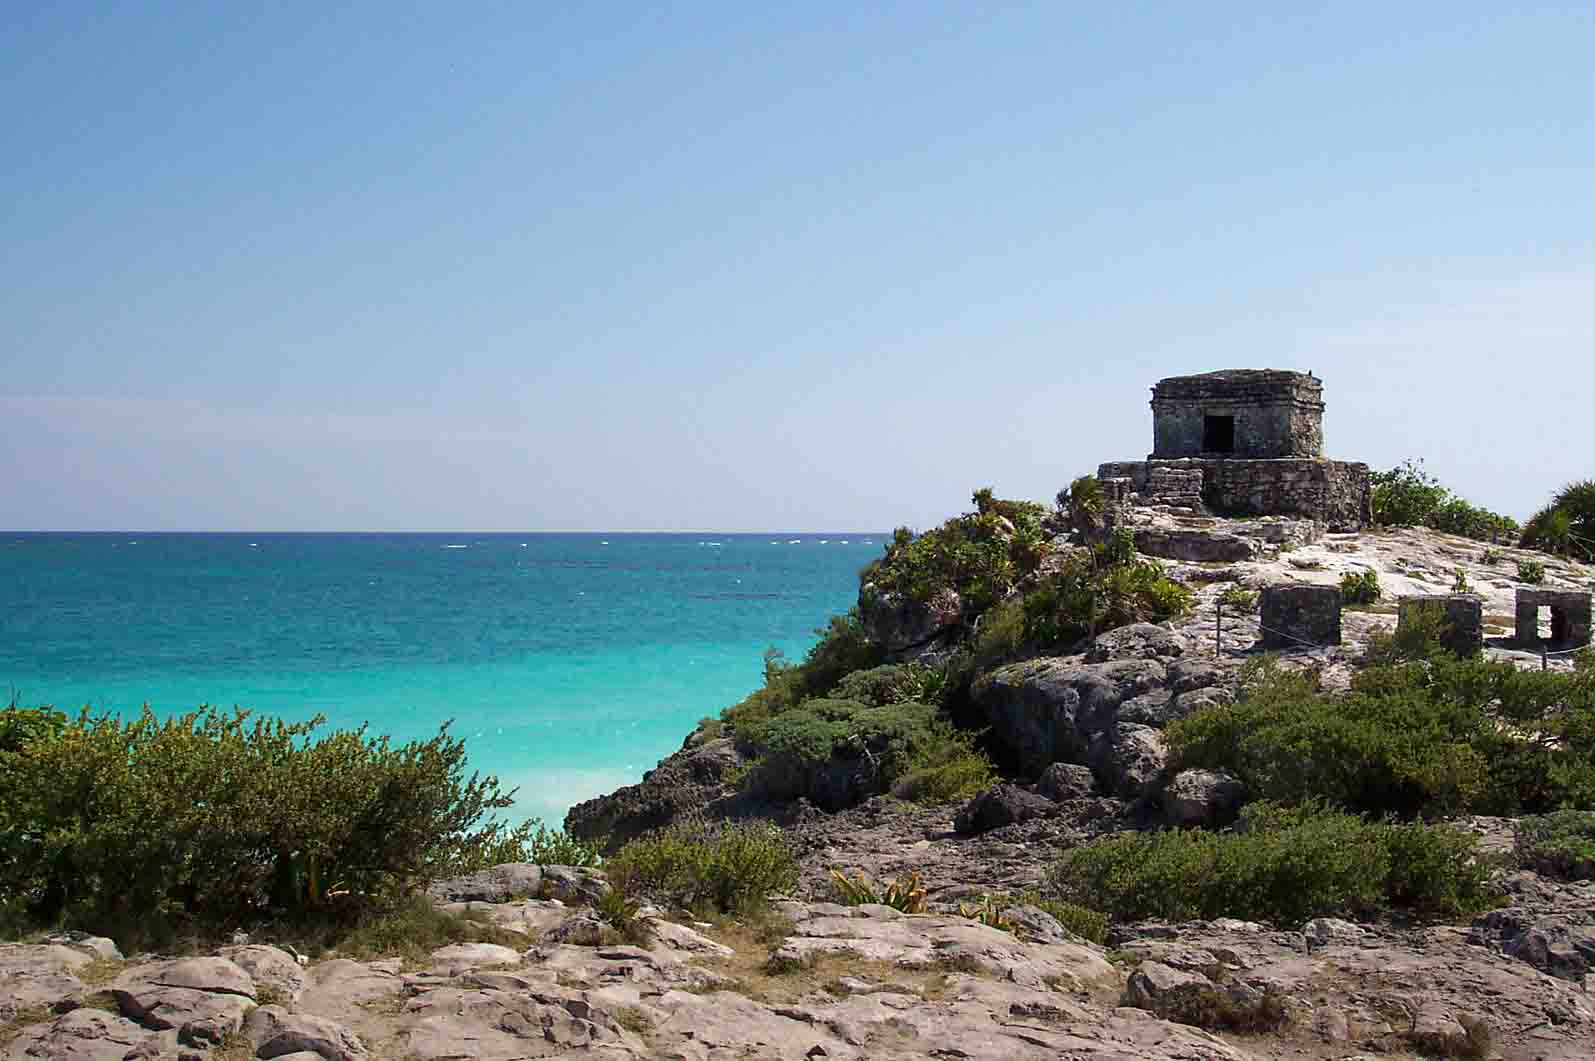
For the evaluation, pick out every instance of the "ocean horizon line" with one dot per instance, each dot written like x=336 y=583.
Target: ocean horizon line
x=443 y=533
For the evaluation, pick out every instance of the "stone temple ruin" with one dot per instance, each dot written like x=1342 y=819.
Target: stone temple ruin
x=1243 y=443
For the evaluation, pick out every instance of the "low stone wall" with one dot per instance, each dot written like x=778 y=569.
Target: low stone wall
x=1334 y=493
x=1461 y=617
x=1570 y=617
x=1296 y=615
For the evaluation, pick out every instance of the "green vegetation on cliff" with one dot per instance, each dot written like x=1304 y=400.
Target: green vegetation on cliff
x=836 y=753
x=981 y=556
x=1105 y=588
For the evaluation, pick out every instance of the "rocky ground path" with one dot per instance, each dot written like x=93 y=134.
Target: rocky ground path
x=818 y=980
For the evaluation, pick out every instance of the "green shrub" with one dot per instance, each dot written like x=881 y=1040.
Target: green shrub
x=1239 y=599
x=893 y=683
x=1407 y=496
x=211 y=818
x=944 y=767
x=1112 y=589
x=1360 y=587
x=1567 y=525
x=1418 y=635
x=1439 y=737
x=547 y=847
x=1530 y=571
x=981 y=555
x=1558 y=845
x=1084 y=500
x=1284 y=865
x=731 y=869
x=837 y=752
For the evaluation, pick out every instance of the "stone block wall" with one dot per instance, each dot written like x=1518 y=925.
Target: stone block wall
x=1334 y=493
x=1461 y=617
x=1297 y=615
x=1570 y=617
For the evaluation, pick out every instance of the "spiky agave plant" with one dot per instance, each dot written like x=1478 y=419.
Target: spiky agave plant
x=906 y=893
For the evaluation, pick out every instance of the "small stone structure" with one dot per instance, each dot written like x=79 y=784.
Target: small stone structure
x=1461 y=619
x=1570 y=617
x=1296 y=614
x=1240 y=412
x=1245 y=443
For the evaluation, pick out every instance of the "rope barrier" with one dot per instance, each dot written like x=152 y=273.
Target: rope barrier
x=1218 y=633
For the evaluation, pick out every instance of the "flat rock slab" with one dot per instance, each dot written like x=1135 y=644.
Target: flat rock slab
x=459 y=957
x=276 y=1032
x=203 y=999
x=88 y=1035
x=275 y=972
x=926 y=941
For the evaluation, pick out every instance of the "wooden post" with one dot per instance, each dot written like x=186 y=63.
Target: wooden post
x=1544 y=663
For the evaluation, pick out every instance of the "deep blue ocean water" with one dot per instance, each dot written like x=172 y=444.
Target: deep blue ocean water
x=570 y=663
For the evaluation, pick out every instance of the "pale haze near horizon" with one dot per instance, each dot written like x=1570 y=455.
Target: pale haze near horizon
x=508 y=268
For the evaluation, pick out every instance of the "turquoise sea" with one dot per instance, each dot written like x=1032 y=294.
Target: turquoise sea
x=570 y=663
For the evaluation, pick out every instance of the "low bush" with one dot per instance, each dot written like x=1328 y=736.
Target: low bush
x=1407 y=496
x=981 y=555
x=546 y=847
x=213 y=818
x=893 y=683
x=1084 y=501
x=1113 y=588
x=618 y=910
x=1360 y=587
x=733 y=868
x=1239 y=599
x=1418 y=636
x=1284 y=865
x=838 y=752
x=1437 y=737
x=1558 y=845
x=1531 y=572
x=945 y=768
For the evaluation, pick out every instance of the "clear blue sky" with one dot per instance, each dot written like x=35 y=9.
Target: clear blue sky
x=471 y=266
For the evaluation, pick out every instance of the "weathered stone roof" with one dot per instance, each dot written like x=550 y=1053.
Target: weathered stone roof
x=1242 y=385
